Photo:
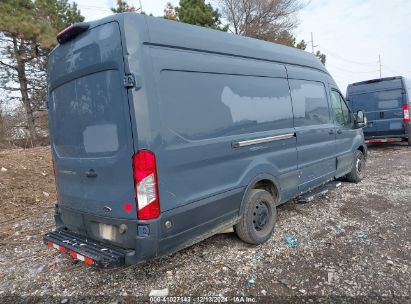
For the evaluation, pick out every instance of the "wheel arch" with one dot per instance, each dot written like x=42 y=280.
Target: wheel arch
x=262 y=181
x=364 y=150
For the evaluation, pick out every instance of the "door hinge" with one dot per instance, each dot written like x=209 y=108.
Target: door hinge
x=129 y=81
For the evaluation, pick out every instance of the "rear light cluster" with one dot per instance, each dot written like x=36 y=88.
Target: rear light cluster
x=406 y=109
x=146 y=185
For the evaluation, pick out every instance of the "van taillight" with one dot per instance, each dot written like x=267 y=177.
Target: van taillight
x=146 y=185
x=406 y=109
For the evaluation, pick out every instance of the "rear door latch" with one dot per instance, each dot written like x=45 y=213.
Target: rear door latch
x=132 y=81
x=129 y=81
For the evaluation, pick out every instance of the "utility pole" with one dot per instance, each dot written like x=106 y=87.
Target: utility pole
x=379 y=62
x=141 y=6
x=312 y=43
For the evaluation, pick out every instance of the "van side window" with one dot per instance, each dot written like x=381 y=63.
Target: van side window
x=206 y=105
x=341 y=110
x=309 y=103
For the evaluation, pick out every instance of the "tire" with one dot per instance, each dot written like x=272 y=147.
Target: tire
x=408 y=133
x=357 y=173
x=258 y=220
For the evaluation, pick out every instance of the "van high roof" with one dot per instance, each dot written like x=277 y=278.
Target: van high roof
x=374 y=85
x=375 y=80
x=162 y=32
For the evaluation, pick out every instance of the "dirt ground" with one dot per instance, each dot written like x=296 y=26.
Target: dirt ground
x=354 y=246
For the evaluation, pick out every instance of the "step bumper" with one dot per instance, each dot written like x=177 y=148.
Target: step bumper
x=89 y=251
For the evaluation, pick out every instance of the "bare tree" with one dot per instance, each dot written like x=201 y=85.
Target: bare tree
x=170 y=12
x=269 y=20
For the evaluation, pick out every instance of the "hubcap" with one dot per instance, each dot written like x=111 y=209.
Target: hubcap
x=260 y=216
x=359 y=165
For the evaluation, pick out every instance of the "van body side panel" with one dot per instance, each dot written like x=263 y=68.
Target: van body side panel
x=207 y=104
x=314 y=126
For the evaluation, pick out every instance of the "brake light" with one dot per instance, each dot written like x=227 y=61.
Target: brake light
x=72 y=31
x=146 y=185
x=406 y=109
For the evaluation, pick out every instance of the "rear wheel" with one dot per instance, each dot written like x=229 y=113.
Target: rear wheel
x=357 y=173
x=408 y=132
x=260 y=214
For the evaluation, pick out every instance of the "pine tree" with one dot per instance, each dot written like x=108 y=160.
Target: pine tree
x=197 y=12
x=28 y=32
x=302 y=45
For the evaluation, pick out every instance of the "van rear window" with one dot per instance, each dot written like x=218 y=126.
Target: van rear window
x=375 y=101
x=86 y=115
x=388 y=99
x=205 y=105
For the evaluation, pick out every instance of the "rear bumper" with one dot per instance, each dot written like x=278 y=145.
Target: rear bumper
x=138 y=244
x=383 y=140
x=388 y=134
x=83 y=249
x=145 y=240
x=100 y=254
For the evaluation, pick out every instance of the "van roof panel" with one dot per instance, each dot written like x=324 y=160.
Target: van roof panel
x=372 y=85
x=185 y=36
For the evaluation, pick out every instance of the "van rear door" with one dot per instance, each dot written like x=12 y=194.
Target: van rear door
x=91 y=135
x=389 y=112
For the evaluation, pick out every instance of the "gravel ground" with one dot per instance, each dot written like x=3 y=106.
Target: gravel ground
x=354 y=246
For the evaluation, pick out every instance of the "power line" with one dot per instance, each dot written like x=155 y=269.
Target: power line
x=95 y=8
x=395 y=70
x=350 y=71
x=348 y=60
x=102 y=8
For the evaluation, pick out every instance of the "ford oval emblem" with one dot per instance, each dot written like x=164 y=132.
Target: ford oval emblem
x=106 y=209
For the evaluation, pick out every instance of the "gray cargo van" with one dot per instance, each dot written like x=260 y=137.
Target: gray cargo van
x=386 y=103
x=163 y=134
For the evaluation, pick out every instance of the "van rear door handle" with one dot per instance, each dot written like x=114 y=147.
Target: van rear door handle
x=381 y=114
x=91 y=173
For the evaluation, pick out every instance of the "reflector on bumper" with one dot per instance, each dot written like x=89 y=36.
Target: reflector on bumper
x=73 y=254
x=384 y=140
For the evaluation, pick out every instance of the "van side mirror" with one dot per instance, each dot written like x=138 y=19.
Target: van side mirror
x=360 y=119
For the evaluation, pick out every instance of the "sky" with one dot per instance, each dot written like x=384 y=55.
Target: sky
x=352 y=33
